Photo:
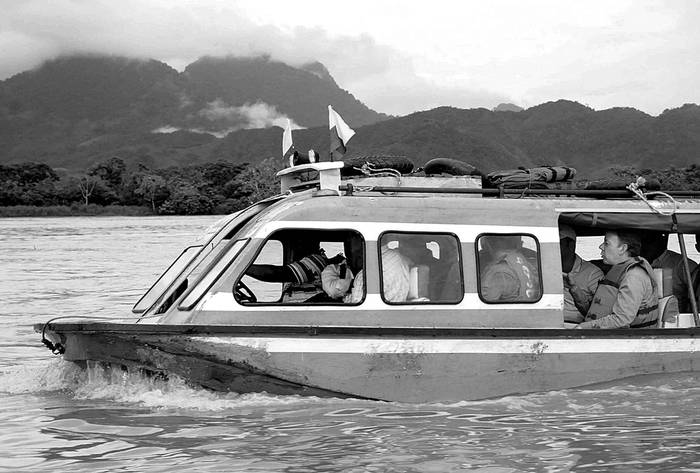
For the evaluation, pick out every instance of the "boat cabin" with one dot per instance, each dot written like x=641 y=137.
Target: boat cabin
x=399 y=251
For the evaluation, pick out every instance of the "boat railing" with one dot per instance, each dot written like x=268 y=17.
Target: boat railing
x=351 y=189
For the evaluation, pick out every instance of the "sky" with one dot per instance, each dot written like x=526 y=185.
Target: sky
x=397 y=57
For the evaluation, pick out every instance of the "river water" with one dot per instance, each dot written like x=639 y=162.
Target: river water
x=56 y=417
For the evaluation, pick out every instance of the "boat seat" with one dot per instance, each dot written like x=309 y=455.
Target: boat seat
x=668 y=312
x=419 y=283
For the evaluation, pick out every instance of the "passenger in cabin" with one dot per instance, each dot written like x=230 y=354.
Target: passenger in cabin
x=627 y=296
x=507 y=276
x=306 y=269
x=336 y=280
x=580 y=278
x=395 y=274
x=654 y=250
x=486 y=254
x=357 y=289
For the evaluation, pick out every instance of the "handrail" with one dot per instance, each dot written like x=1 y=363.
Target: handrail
x=349 y=188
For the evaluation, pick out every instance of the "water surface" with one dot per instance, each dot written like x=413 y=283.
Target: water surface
x=60 y=418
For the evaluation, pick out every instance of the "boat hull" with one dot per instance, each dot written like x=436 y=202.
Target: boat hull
x=410 y=365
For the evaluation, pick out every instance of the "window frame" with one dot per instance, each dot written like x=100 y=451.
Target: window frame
x=418 y=303
x=478 y=267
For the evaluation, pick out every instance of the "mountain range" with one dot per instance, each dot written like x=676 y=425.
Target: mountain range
x=75 y=111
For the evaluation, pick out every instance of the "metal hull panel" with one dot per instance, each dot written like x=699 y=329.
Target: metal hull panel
x=392 y=369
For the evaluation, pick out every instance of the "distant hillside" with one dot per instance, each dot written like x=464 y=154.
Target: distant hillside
x=554 y=133
x=561 y=132
x=74 y=112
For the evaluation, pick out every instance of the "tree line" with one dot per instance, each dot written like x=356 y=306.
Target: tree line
x=212 y=188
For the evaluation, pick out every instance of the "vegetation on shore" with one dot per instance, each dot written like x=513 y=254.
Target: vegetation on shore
x=108 y=188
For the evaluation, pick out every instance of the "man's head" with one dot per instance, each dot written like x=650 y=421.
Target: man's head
x=413 y=246
x=619 y=245
x=305 y=247
x=498 y=243
x=567 y=243
x=653 y=244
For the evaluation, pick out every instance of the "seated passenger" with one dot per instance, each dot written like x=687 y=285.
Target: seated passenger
x=306 y=269
x=580 y=278
x=627 y=296
x=336 y=280
x=357 y=289
x=395 y=275
x=654 y=250
x=446 y=276
x=508 y=276
x=486 y=254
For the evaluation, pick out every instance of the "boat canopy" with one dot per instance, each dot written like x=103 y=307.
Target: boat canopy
x=592 y=223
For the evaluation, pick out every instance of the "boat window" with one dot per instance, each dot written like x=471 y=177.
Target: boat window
x=212 y=273
x=305 y=266
x=166 y=279
x=509 y=268
x=420 y=268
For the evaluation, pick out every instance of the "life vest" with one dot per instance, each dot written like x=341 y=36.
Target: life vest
x=609 y=287
x=527 y=276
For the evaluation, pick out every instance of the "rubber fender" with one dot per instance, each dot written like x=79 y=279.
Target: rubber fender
x=398 y=163
x=450 y=166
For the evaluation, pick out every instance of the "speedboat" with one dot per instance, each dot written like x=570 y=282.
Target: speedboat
x=417 y=327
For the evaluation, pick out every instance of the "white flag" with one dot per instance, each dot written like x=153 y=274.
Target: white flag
x=340 y=133
x=287 y=144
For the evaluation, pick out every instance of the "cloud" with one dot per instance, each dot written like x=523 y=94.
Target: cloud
x=225 y=118
x=32 y=31
x=247 y=116
x=396 y=56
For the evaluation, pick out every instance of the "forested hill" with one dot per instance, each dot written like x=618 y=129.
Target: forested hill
x=561 y=132
x=553 y=133
x=78 y=111
x=74 y=111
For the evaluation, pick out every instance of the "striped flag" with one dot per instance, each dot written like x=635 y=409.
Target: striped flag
x=340 y=134
x=287 y=144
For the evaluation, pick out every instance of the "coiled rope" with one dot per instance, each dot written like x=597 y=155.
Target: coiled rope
x=371 y=170
x=636 y=189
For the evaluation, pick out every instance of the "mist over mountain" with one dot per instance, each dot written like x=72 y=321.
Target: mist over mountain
x=75 y=111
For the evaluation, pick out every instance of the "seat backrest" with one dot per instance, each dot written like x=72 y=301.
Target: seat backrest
x=668 y=312
x=419 y=282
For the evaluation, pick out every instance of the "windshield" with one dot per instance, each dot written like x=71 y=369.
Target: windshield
x=188 y=267
x=166 y=279
x=211 y=273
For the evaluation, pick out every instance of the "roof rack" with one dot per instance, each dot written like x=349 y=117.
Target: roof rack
x=501 y=192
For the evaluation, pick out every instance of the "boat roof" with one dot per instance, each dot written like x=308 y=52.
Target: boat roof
x=451 y=199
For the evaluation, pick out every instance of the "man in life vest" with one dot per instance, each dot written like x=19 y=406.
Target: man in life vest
x=508 y=276
x=627 y=296
x=580 y=278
